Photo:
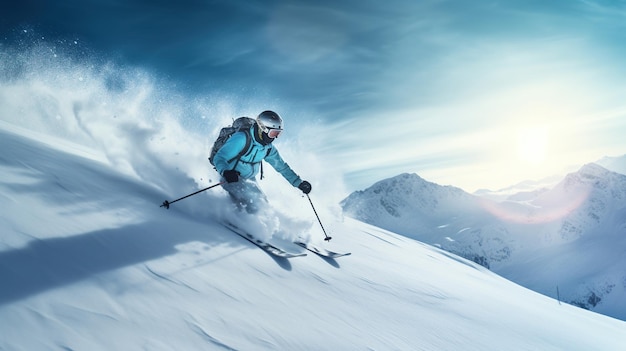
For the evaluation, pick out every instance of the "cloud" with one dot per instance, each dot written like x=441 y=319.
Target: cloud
x=306 y=33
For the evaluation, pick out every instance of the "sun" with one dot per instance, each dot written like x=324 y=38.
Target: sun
x=532 y=144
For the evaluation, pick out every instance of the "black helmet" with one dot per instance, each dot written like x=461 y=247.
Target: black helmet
x=270 y=123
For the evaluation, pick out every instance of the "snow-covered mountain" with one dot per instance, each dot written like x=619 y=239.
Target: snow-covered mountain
x=522 y=191
x=568 y=240
x=412 y=206
x=615 y=164
x=88 y=261
x=529 y=189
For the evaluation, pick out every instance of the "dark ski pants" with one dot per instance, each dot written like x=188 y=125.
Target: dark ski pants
x=246 y=194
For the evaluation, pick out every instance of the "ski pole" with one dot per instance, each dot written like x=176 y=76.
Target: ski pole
x=318 y=219
x=167 y=204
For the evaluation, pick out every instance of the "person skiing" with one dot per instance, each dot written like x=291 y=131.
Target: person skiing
x=239 y=172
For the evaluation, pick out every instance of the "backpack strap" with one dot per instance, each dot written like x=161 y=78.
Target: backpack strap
x=267 y=154
x=244 y=150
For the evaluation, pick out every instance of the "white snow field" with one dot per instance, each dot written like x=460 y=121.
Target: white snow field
x=89 y=261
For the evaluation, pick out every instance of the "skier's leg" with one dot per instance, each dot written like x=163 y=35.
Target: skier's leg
x=246 y=195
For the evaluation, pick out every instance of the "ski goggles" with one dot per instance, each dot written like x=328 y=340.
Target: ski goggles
x=272 y=132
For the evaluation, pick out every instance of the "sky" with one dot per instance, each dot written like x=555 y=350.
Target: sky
x=480 y=94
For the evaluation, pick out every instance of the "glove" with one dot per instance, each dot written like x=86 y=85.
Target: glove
x=231 y=176
x=305 y=187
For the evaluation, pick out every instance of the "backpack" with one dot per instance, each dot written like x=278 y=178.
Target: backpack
x=239 y=124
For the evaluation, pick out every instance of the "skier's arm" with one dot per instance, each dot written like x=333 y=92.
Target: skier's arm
x=231 y=149
x=274 y=159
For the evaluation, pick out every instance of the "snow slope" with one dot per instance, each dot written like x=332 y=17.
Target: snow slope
x=88 y=261
x=569 y=239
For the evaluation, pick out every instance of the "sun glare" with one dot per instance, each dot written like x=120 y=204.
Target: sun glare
x=532 y=144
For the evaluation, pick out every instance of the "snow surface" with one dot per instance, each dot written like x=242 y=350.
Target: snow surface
x=89 y=261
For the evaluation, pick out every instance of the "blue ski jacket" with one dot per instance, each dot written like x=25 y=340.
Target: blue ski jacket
x=250 y=163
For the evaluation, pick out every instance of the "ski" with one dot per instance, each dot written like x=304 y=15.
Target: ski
x=321 y=251
x=267 y=247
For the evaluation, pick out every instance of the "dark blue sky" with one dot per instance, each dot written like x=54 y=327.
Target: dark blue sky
x=239 y=46
x=449 y=89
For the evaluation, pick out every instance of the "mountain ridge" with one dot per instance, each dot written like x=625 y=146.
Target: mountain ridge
x=587 y=206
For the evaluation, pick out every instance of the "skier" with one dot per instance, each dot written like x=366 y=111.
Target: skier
x=239 y=173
